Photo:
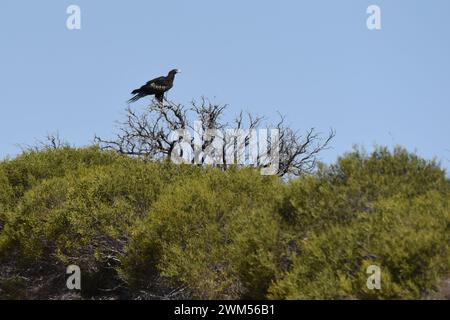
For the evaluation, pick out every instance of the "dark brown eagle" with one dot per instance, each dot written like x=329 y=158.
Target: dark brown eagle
x=156 y=87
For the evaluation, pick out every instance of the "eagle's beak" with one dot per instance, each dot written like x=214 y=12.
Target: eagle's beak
x=178 y=71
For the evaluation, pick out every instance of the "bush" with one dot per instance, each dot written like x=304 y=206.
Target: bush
x=216 y=236
x=407 y=238
x=145 y=229
x=28 y=169
x=6 y=197
x=386 y=209
x=81 y=215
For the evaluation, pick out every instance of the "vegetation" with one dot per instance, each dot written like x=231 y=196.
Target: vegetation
x=158 y=131
x=142 y=230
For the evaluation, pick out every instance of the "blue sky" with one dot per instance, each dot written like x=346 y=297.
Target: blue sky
x=314 y=61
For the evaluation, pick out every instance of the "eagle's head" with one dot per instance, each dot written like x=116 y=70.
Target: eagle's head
x=174 y=72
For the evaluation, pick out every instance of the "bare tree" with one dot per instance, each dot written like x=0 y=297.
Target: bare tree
x=51 y=141
x=299 y=153
x=147 y=134
x=150 y=134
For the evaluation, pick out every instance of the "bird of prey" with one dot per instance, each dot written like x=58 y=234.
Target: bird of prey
x=156 y=87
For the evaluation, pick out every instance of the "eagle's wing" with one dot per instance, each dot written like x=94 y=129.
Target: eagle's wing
x=158 y=84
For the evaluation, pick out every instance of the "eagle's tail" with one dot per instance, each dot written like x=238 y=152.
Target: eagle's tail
x=137 y=96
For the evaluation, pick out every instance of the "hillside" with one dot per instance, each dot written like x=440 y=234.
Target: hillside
x=148 y=230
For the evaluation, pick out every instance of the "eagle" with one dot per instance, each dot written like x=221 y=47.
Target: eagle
x=157 y=87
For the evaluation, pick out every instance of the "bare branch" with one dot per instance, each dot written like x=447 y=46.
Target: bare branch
x=149 y=134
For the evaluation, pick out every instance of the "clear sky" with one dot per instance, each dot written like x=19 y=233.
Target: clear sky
x=314 y=61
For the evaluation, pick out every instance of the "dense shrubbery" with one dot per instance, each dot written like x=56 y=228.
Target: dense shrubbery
x=150 y=230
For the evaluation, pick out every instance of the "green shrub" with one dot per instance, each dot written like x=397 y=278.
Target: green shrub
x=216 y=235
x=83 y=217
x=387 y=209
x=202 y=233
x=30 y=168
x=409 y=239
x=6 y=197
